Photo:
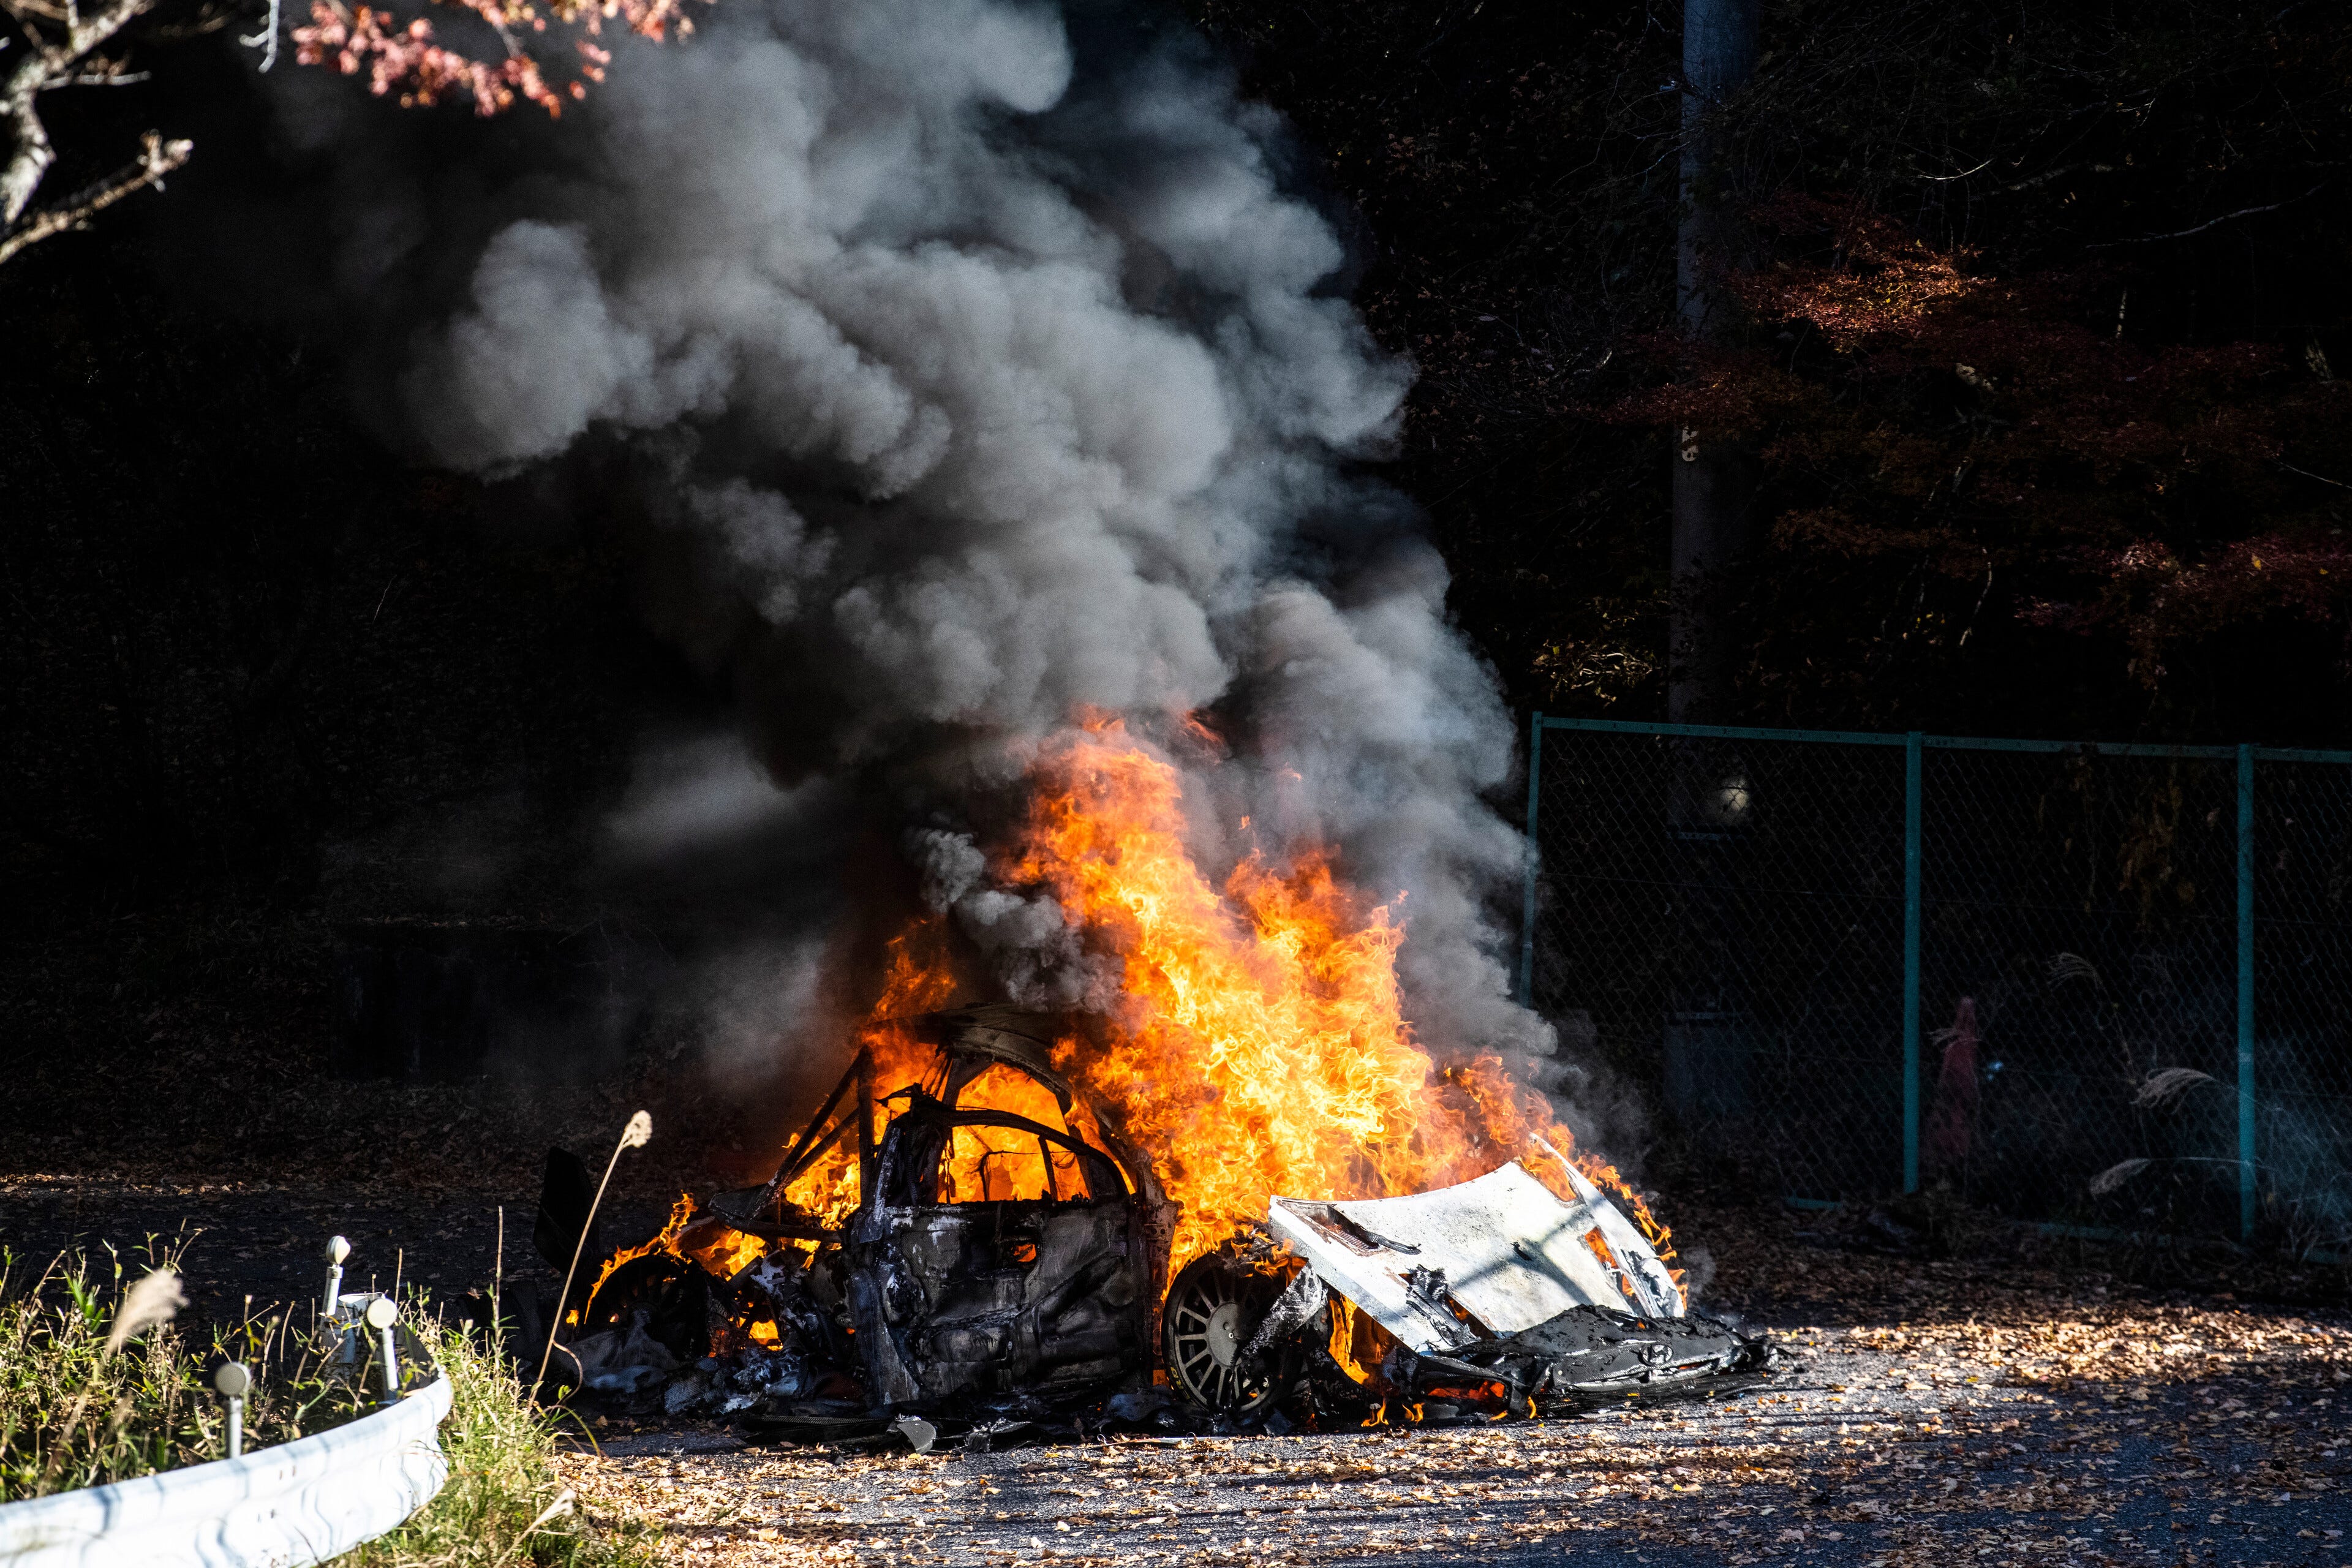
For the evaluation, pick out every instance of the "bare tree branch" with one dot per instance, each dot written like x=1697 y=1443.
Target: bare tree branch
x=158 y=159
x=52 y=62
x=2307 y=474
x=29 y=155
x=267 y=37
x=2209 y=223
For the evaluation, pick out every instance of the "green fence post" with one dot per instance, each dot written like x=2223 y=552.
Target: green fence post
x=1528 y=910
x=2246 y=992
x=1911 y=754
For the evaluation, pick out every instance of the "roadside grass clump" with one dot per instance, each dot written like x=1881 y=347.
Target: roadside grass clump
x=504 y=1504
x=99 y=1384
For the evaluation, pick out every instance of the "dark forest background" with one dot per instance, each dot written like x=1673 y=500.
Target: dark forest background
x=2043 y=320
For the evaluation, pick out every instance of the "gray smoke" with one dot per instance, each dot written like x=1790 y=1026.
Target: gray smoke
x=990 y=373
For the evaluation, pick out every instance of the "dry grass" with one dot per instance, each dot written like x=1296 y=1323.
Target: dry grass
x=504 y=1505
x=97 y=1384
x=80 y=1406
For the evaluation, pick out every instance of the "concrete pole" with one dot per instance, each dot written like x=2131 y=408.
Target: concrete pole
x=1715 y=480
x=1707 y=1052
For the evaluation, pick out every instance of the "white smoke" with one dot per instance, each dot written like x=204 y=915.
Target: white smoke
x=995 y=376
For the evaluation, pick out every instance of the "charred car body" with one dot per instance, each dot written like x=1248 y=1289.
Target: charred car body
x=996 y=1267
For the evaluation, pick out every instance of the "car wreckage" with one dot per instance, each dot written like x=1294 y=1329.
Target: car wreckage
x=997 y=1271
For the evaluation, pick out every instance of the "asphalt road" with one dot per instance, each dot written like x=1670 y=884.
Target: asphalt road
x=1924 y=1451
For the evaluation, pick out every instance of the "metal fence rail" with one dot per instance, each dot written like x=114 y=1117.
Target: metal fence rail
x=2084 y=984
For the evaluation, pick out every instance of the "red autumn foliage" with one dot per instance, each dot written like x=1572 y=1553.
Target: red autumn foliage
x=1878 y=281
x=2157 y=598
x=405 y=60
x=1906 y=402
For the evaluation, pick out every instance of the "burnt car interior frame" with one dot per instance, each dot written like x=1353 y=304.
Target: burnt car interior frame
x=925 y=1299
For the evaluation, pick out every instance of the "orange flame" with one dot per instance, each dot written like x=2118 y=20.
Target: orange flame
x=1261 y=1048
x=680 y=1213
x=918 y=979
x=709 y=1242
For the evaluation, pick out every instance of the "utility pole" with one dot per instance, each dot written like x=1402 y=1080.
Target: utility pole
x=1714 y=479
x=1707 y=1036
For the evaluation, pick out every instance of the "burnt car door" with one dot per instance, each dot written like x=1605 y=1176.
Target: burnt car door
x=994 y=1255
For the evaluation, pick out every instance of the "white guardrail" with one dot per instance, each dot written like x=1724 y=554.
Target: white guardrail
x=298 y=1503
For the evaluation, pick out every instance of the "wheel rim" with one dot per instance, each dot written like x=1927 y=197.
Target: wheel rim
x=1211 y=1312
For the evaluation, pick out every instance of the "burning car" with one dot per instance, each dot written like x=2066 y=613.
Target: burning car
x=990 y=1248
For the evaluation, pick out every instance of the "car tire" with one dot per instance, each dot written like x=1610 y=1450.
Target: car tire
x=1213 y=1309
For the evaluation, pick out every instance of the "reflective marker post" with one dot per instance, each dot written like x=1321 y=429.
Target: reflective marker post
x=233 y=1382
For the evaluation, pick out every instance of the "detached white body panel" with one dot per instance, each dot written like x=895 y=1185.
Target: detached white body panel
x=1507 y=1250
x=302 y=1502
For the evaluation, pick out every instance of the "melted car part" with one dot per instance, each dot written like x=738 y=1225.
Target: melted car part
x=1498 y=1293
x=1638 y=1270
x=1587 y=1351
x=564 y=1228
x=1443 y=1268
x=971 y=1039
x=1049 y=1294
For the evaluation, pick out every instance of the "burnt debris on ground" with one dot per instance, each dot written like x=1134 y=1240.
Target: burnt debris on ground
x=929 y=1263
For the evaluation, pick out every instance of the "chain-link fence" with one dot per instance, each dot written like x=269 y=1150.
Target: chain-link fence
x=2100 y=985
